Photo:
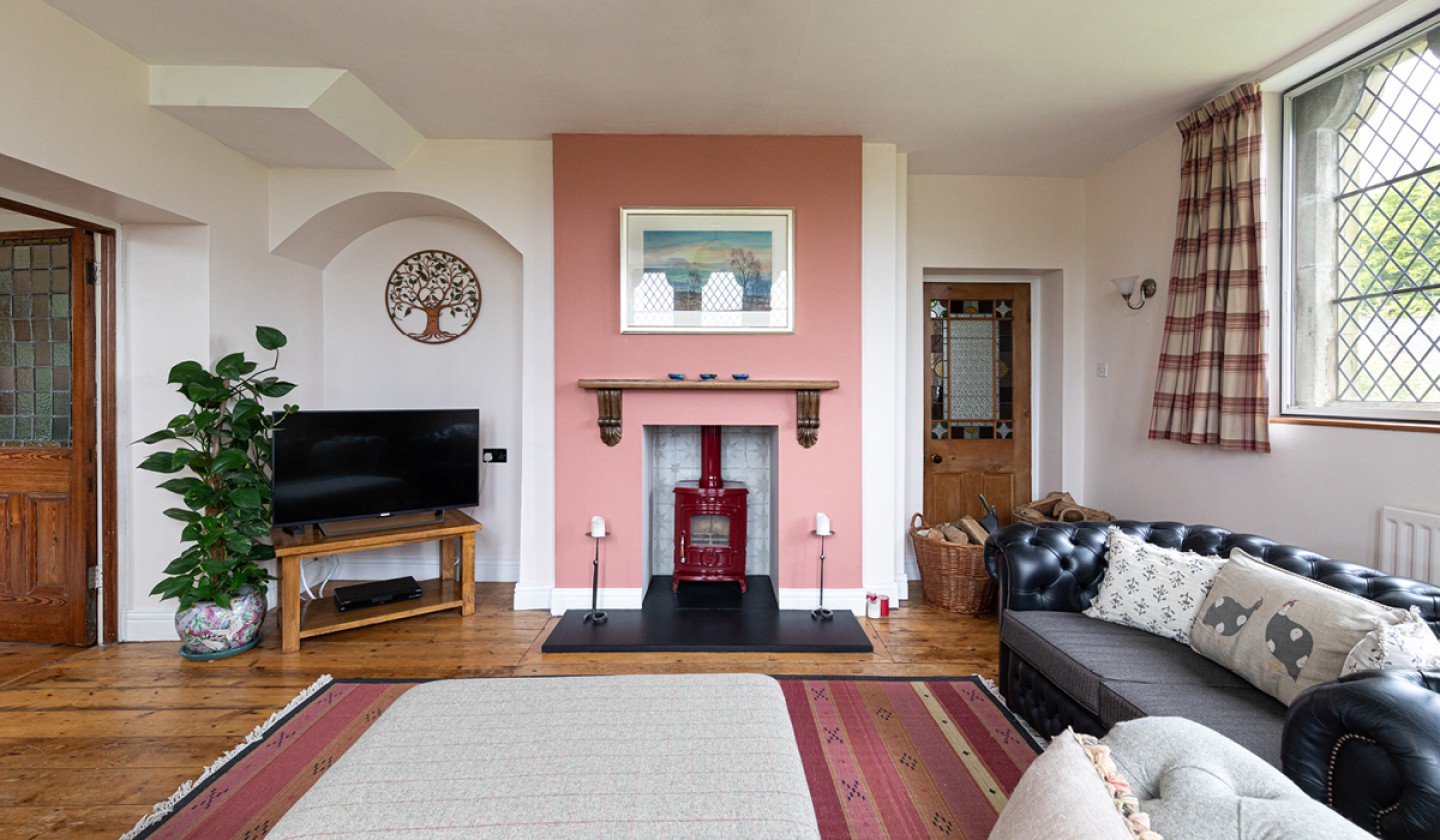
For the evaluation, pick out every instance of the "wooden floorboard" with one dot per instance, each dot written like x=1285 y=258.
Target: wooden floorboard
x=90 y=738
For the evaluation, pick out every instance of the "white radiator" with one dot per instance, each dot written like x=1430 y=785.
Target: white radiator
x=1410 y=544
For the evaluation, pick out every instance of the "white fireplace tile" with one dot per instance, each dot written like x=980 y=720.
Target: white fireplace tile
x=745 y=454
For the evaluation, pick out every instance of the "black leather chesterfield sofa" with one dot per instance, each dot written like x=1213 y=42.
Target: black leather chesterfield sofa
x=1368 y=744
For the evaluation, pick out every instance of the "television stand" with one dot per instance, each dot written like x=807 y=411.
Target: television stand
x=346 y=527
x=455 y=531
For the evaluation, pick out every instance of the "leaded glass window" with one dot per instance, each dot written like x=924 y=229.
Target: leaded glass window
x=1364 y=319
x=972 y=348
x=35 y=342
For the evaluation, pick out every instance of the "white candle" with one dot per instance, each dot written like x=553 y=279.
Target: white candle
x=597 y=526
x=822 y=525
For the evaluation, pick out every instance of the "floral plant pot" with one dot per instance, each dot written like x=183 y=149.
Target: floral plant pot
x=209 y=631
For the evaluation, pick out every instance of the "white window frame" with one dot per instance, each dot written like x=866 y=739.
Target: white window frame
x=1428 y=413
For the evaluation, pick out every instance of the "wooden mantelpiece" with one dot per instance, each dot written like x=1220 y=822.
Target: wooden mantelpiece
x=807 y=399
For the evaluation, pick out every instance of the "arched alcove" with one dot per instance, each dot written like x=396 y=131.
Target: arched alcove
x=369 y=364
x=316 y=242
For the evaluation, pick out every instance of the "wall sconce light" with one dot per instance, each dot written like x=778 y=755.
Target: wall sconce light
x=1126 y=286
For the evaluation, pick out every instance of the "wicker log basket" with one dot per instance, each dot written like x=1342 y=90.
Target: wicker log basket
x=953 y=576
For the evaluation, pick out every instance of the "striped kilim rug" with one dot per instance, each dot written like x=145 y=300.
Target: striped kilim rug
x=906 y=758
x=884 y=757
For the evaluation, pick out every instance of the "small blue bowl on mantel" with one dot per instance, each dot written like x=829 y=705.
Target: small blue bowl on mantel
x=707 y=376
x=677 y=376
x=740 y=376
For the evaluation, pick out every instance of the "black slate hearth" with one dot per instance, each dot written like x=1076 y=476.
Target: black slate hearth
x=710 y=617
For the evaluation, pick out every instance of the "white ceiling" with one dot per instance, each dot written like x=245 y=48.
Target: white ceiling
x=1000 y=87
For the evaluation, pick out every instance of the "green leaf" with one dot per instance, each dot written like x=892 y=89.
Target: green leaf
x=156 y=437
x=246 y=409
x=230 y=366
x=269 y=338
x=199 y=497
x=201 y=392
x=275 y=388
x=180 y=566
x=227 y=460
x=182 y=485
x=182 y=458
x=161 y=462
x=185 y=372
x=245 y=497
x=182 y=514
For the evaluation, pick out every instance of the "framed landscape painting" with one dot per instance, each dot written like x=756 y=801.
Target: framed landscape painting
x=707 y=270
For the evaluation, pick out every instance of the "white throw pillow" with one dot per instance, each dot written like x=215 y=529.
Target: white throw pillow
x=1155 y=589
x=1407 y=644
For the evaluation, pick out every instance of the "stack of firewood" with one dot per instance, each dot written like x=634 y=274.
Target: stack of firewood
x=1059 y=506
x=962 y=531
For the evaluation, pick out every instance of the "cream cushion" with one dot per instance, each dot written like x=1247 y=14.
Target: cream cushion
x=1280 y=631
x=1061 y=797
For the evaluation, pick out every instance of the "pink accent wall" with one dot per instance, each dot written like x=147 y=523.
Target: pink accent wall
x=596 y=175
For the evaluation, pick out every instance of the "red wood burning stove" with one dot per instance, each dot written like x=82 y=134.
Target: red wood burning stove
x=709 y=521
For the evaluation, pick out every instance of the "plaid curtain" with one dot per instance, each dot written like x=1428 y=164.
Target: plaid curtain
x=1211 y=386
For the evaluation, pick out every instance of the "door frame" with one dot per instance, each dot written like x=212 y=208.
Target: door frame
x=104 y=458
x=1033 y=281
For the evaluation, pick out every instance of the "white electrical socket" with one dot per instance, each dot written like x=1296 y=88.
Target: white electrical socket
x=1102 y=370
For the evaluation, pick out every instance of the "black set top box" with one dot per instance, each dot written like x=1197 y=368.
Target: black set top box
x=375 y=593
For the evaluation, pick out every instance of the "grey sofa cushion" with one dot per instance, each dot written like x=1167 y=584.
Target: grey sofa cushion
x=1079 y=653
x=1198 y=785
x=1244 y=714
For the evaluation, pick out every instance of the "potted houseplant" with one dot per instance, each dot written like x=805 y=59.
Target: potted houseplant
x=222 y=446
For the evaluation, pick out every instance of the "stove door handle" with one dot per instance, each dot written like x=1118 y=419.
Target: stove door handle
x=682 y=547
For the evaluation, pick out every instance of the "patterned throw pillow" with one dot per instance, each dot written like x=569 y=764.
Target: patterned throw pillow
x=1410 y=645
x=1155 y=589
x=1281 y=631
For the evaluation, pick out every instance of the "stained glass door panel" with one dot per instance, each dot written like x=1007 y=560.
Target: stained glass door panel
x=977 y=409
x=46 y=438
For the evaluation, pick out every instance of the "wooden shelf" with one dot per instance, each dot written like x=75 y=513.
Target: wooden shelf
x=320 y=616
x=609 y=393
x=456 y=535
x=312 y=543
x=712 y=384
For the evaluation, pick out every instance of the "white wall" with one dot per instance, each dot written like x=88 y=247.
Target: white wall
x=1320 y=488
x=883 y=294
x=186 y=291
x=505 y=186
x=369 y=364
x=1005 y=227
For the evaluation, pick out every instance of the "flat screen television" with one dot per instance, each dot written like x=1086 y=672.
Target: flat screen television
x=338 y=465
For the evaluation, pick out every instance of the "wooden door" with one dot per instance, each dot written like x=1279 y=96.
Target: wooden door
x=977 y=399
x=47 y=437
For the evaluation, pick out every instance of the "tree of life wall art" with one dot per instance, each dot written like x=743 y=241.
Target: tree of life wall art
x=433 y=297
x=707 y=270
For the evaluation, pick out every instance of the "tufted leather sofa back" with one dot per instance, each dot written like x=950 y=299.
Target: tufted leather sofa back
x=1058 y=565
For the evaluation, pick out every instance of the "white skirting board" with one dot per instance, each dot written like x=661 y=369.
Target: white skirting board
x=629 y=599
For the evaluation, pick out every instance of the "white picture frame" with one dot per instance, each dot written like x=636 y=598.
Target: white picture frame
x=707 y=270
